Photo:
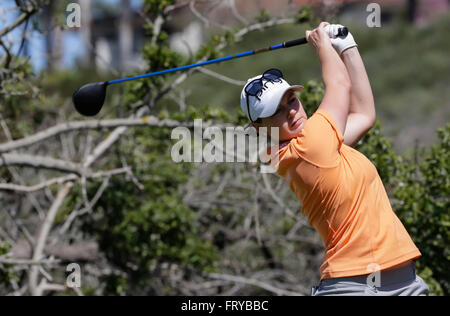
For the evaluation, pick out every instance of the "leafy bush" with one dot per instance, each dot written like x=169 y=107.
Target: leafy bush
x=422 y=201
x=419 y=192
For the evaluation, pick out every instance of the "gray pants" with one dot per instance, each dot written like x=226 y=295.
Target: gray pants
x=396 y=282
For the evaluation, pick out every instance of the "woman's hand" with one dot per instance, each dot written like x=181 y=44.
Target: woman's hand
x=318 y=38
x=340 y=43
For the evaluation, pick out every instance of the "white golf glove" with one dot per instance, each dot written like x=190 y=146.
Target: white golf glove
x=340 y=43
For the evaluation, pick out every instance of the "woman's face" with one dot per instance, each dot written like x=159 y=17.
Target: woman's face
x=290 y=117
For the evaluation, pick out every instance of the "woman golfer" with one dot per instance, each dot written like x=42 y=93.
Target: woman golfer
x=368 y=251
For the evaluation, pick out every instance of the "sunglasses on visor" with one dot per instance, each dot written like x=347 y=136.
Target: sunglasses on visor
x=256 y=87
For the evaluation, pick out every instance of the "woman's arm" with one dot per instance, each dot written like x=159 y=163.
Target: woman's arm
x=362 y=113
x=334 y=75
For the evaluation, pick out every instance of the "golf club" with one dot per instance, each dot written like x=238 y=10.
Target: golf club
x=88 y=100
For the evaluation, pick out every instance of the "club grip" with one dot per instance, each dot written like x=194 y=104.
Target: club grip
x=299 y=41
x=343 y=31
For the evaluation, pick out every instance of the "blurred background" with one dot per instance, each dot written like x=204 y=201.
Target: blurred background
x=137 y=223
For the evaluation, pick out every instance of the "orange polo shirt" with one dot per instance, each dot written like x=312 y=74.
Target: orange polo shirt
x=345 y=201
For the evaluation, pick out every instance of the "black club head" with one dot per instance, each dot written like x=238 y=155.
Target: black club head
x=89 y=99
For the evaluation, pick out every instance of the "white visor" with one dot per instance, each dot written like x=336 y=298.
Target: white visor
x=266 y=104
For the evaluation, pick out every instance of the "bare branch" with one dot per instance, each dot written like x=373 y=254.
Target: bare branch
x=5 y=128
x=82 y=125
x=17 y=177
x=275 y=197
x=43 y=235
x=42 y=162
x=24 y=262
x=179 y=5
x=85 y=210
x=221 y=77
x=8 y=53
x=232 y=4
x=159 y=21
x=263 y=25
x=130 y=174
x=253 y=282
x=197 y=14
x=47 y=287
x=22 y=228
x=19 y=292
x=22 y=18
x=60 y=180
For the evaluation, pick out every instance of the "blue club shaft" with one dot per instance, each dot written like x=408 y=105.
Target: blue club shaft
x=300 y=41
x=208 y=62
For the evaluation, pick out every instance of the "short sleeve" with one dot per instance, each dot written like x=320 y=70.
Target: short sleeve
x=320 y=140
